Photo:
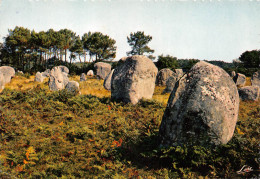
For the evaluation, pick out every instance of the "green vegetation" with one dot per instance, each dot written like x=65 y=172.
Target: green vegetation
x=60 y=134
x=138 y=42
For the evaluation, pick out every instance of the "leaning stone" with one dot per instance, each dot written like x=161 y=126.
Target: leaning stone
x=72 y=86
x=83 y=77
x=202 y=108
x=240 y=79
x=107 y=81
x=255 y=80
x=134 y=80
x=38 y=77
x=249 y=93
x=163 y=75
x=102 y=69
x=90 y=73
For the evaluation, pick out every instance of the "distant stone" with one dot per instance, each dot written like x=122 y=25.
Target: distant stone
x=202 y=108
x=249 y=93
x=90 y=73
x=134 y=79
x=255 y=80
x=38 y=77
x=240 y=79
x=8 y=73
x=107 y=81
x=233 y=74
x=163 y=75
x=72 y=86
x=64 y=69
x=179 y=72
x=46 y=73
x=170 y=83
x=83 y=77
x=58 y=79
x=19 y=72
x=2 y=82
x=102 y=69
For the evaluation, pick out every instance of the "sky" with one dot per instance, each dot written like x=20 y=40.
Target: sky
x=200 y=29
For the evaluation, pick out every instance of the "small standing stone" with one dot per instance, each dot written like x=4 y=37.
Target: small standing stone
x=38 y=77
x=72 y=86
x=255 y=80
x=240 y=79
x=90 y=73
x=103 y=69
x=83 y=77
x=163 y=75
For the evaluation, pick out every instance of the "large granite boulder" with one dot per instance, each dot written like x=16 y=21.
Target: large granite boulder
x=170 y=83
x=163 y=75
x=8 y=73
x=38 y=77
x=202 y=108
x=255 y=80
x=72 y=86
x=249 y=93
x=102 y=69
x=240 y=79
x=90 y=73
x=58 y=79
x=134 y=79
x=107 y=81
x=83 y=77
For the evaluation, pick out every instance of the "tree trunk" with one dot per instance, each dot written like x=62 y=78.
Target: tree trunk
x=79 y=58
x=65 y=55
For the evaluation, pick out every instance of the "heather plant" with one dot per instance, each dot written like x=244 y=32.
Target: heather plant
x=46 y=134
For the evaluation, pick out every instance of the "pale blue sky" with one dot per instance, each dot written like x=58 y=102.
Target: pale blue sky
x=212 y=30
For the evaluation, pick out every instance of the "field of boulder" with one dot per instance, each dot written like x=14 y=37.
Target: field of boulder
x=48 y=133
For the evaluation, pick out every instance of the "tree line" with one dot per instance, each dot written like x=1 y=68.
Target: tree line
x=30 y=50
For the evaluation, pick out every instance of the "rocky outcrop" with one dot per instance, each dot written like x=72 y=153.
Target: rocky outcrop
x=107 y=81
x=133 y=80
x=163 y=75
x=202 y=108
x=255 y=80
x=249 y=93
x=102 y=69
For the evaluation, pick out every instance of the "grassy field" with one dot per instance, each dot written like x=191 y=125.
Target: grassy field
x=48 y=134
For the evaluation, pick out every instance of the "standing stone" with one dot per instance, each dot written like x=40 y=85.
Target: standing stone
x=90 y=73
x=18 y=71
x=58 y=79
x=134 y=79
x=249 y=93
x=83 y=77
x=72 y=86
x=240 y=79
x=255 y=80
x=107 y=81
x=2 y=82
x=233 y=74
x=46 y=73
x=38 y=77
x=202 y=108
x=170 y=83
x=162 y=76
x=64 y=69
x=8 y=73
x=103 y=69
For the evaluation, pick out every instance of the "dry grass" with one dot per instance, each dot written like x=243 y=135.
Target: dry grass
x=248 y=81
x=91 y=86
